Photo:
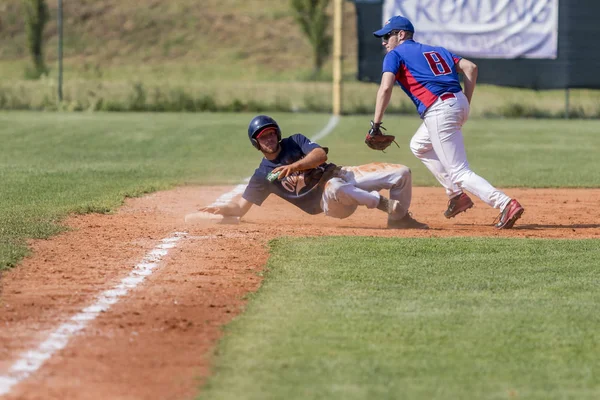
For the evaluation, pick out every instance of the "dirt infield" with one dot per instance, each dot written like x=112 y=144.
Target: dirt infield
x=156 y=342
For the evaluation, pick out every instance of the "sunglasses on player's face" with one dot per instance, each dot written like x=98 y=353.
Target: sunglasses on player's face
x=387 y=36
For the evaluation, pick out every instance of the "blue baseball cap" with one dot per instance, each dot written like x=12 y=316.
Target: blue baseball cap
x=397 y=23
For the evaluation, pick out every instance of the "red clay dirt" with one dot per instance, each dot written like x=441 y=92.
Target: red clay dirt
x=157 y=341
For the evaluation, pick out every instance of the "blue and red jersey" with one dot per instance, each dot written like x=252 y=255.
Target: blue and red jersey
x=424 y=72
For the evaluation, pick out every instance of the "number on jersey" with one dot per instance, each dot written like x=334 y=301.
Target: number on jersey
x=438 y=65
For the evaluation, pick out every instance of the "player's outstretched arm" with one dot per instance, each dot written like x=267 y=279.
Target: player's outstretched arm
x=469 y=69
x=233 y=209
x=384 y=94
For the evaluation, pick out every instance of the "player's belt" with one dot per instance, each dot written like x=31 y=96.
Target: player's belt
x=446 y=96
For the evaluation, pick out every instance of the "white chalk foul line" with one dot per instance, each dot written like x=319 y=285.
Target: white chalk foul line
x=333 y=121
x=217 y=237
x=30 y=361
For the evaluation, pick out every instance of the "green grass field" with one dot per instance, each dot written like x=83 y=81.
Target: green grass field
x=373 y=318
x=336 y=318
x=52 y=164
x=58 y=163
x=346 y=317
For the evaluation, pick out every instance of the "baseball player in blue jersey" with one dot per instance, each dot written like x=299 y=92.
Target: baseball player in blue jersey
x=429 y=76
x=296 y=170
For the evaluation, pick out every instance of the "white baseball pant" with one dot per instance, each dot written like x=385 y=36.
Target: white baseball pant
x=439 y=144
x=360 y=185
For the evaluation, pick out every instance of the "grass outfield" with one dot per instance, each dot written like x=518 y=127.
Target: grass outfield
x=372 y=318
x=507 y=152
x=52 y=164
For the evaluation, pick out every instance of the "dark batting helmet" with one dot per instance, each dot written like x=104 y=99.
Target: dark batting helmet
x=259 y=124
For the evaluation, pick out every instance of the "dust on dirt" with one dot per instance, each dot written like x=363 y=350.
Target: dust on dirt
x=157 y=341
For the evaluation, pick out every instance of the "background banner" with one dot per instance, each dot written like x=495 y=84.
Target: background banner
x=483 y=28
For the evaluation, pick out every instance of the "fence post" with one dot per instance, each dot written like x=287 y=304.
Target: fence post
x=567 y=103
x=60 y=51
x=337 y=56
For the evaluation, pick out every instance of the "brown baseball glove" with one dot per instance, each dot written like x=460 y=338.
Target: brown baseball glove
x=378 y=140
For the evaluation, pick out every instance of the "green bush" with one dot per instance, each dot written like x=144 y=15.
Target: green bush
x=206 y=103
x=140 y=97
x=137 y=99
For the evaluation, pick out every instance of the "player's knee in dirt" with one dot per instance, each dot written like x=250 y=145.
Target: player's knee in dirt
x=341 y=212
x=339 y=202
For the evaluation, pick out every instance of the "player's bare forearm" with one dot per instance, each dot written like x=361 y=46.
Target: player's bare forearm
x=384 y=94
x=470 y=72
x=312 y=160
x=470 y=81
x=233 y=209
x=383 y=99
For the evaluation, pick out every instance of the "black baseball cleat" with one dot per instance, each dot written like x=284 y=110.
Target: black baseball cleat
x=407 y=222
x=458 y=204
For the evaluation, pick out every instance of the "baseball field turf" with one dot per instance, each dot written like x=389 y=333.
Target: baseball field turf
x=347 y=317
x=53 y=164
x=373 y=318
x=336 y=317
